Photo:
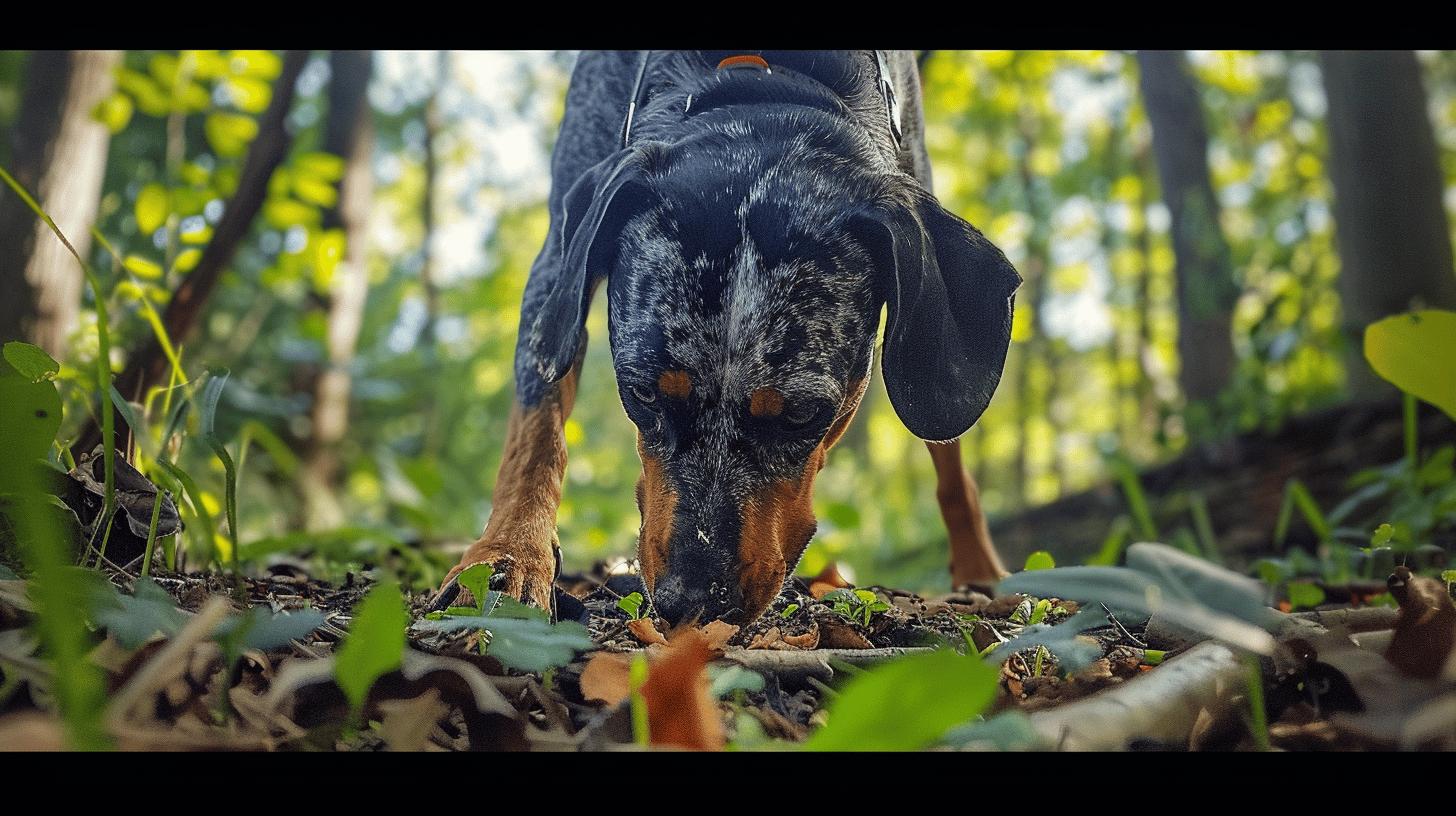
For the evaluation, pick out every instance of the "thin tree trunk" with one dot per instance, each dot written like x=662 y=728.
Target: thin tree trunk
x=1146 y=393
x=1034 y=295
x=147 y=366
x=349 y=133
x=1390 y=220
x=1204 y=267
x=59 y=154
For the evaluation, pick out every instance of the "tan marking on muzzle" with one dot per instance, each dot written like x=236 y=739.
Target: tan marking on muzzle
x=779 y=521
x=656 y=501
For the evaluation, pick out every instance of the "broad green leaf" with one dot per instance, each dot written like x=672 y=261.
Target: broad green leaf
x=187 y=260
x=30 y=416
x=1417 y=353
x=282 y=213
x=724 y=680
x=248 y=94
x=151 y=208
x=906 y=704
x=322 y=166
x=1039 y=560
x=143 y=268
x=31 y=362
x=134 y=619
x=631 y=604
x=114 y=111
x=1304 y=595
x=230 y=133
x=376 y=642
x=260 y=64
x=313 y=191
x=476 y=579
x=525 y=644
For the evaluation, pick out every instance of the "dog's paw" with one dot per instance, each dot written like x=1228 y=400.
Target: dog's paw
x=526 y=575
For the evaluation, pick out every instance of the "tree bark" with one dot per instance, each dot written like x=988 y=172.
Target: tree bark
x=147 y=366
x=349 y=133
x=1390 y=220
x=59 y=155
x=1204 y=267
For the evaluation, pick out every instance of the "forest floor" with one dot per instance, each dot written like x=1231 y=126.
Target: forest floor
x=763 y=686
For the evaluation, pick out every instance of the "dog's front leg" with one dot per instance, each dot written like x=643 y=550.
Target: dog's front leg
x=520 y=537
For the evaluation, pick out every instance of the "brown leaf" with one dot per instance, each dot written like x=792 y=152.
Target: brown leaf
x=1426 y=628
x=808 y=640
x=407 y=723
x=827 y=581
x=839 y=634
x=772 y=639
x=646 y=631
x=680 y=711
x=607 y=677
x=718 y=634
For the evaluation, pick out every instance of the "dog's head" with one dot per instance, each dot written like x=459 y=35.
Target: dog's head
x=746 y=274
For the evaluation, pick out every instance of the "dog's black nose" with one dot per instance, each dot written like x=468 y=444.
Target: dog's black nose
x=679 y=601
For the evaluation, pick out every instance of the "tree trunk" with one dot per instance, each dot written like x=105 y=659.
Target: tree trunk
x=349 y=133
x=1204 y=268
x=148 y=366
x=1390 y=221
x=59 y=155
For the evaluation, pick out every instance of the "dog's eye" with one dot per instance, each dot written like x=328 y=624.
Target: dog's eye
x=644 y=395
x=801 y=415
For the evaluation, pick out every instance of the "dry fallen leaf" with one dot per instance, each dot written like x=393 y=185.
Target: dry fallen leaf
x=645 y=631
x=808 y=640
x=1426 y=629
x=718 y=634
x=681 y=712
x=838 y=634
x=607 y=677
x=407 y=723
x=772 y=639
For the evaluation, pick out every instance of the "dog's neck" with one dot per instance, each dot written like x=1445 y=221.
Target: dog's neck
x=679 y=87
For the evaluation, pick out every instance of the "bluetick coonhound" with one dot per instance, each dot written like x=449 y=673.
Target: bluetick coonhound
x=751 y=213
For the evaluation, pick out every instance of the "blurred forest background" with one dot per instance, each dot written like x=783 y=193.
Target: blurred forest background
x=1203 y=235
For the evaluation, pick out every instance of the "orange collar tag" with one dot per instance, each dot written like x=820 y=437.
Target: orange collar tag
x=744 y=61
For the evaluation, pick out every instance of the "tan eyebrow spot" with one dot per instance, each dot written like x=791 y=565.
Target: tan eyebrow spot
x=676 y=384
x=765 y=402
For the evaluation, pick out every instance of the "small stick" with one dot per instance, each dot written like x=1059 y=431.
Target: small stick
x=1121 y=630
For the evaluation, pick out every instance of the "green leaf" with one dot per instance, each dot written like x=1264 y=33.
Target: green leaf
x=151 y=208
x=724 y=680
x=260 y=628
x=1382 y=535
x=632 y=605
x=282 y=213
x=376 y=642
x=31 y=362
x=260 y=64
x=906 y=704
x=247 y=94
x=143 y=268
x=1039 y=560
x=30 y=416
x=1303 y=595
x=133 y=619
x=114 y=111
x=1417 y=353
x=322 y=166
x=230 y=133
x=476 y=580
x=1039 y=613
x=524 y=644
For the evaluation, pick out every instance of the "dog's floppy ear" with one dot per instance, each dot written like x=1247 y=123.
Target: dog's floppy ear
x=592 y=215
x=950 y=293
